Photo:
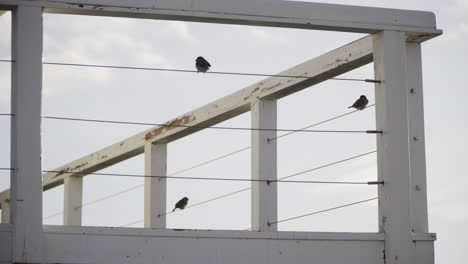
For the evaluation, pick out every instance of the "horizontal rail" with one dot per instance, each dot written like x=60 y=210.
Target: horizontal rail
x=288 y=14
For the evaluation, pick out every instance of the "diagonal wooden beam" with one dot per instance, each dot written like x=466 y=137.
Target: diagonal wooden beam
x=333 y=63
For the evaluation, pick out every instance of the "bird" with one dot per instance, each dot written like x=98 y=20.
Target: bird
x=181 y=204
x=202 y=64
x=360 y=103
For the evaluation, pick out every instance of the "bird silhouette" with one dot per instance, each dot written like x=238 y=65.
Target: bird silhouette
x=202 y=64
x=181 y=204
x=360 y=103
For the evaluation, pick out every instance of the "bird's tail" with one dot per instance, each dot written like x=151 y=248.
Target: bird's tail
x=174 y=209
x=350 y=107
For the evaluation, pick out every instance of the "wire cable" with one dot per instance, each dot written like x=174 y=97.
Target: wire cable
x=246 y=189
x=52 y=215
x=171 y=174
x=193 y=71
x=6 y=114
x=319 y=123
x=7 y=169
x=225 y=156
x=210 y=200
x=132 y=223
x=211 y=160
x=287 y=219
x=194 y=205
x=202 y=178
x=329 y=164
x=322 y=211
x=107 y=197
x=95 y=201
x=210 y=127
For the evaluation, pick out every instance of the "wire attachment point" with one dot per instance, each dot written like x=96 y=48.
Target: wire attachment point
x=372 y=81
x=376 y=183
x=374 y=132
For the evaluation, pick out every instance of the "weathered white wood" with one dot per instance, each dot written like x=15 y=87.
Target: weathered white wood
x=155 y=188
x=333 y=63
x=26 y=91
x=6 y=238
x=264 y=166
x=104 y=158
x=424 y=252
x=233 y=234
x=73 y=199
x=253 y=12
x=5 y=195
x=417 y=139
x=130 y=245
x=392 y=146
x=5 y=211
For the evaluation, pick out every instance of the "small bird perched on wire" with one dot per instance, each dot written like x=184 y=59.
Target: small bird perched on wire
x=181 y=204
x=202 y=64
x=360 y=103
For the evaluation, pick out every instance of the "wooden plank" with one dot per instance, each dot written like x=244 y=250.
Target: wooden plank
x=147 y=246
x=104 y=158
x=232 y=234
x=264 y=167
x=288 y=14
x=6 y=238
x=26 y=97
x=155 y=188
x=417 y=138
x=392 y=146
x=333 y=63
x=73 y=200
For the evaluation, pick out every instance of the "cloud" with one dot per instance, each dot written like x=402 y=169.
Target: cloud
x=179 y=28
x=455 y=33
x=462 y=3
x=268 y=35
x=86 y=41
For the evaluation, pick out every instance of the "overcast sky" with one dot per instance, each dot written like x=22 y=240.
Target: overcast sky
x=149 y=96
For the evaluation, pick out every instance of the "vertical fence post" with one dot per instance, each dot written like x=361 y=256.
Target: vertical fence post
x=155 y=188
x=73 y=199
x=264 y=166
x=417 y=138
x=392 y=146
x=26 y=92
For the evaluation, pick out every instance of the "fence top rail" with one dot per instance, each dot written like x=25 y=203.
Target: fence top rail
x=288 y=14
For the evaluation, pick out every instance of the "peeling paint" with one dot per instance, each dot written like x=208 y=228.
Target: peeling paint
x=61 y=172
x=79 y=166
x=68 y=169
x=181 y=121
x=272 y=87
x=253 y=92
